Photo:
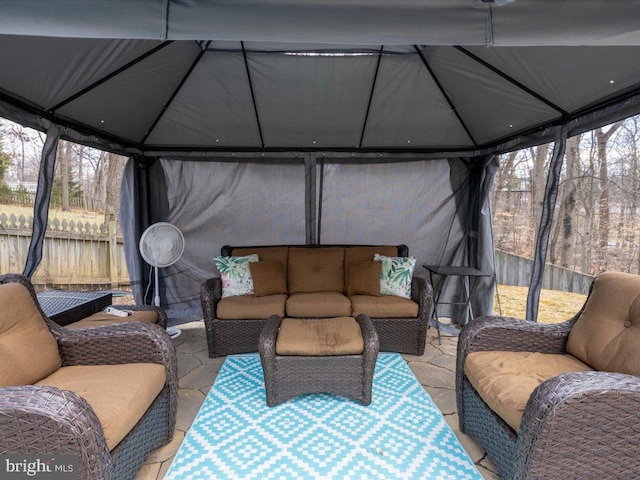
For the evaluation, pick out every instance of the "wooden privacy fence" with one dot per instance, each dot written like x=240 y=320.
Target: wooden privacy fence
x=515 y=270
x=75 y=254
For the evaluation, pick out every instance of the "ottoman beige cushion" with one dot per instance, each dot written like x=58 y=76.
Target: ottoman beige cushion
x=319 y=336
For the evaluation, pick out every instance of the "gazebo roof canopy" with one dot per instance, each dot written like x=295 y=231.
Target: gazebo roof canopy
x=354 y=75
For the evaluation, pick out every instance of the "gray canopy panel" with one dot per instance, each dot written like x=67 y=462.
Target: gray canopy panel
x=430 y=75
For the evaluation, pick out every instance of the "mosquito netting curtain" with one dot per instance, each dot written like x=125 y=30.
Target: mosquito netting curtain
x=439 y=208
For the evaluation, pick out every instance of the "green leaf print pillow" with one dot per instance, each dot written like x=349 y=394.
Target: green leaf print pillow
x=235 y=274
x=395 y=277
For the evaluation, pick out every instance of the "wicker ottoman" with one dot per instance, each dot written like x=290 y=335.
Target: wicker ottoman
x=305 y=356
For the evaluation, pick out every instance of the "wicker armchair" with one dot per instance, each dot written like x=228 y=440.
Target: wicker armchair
x=575 y=424
x=36 y=419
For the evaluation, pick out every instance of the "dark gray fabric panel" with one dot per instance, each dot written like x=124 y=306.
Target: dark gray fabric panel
x=390 y=204
x=409 y=110
x=215 y=204
x=570 y=77
x=311 y=101
x=129 y=103
x=435 y=22
x=213 y=107
x=593 y=22
x=90 y=19
x=501 y=110
x=131 y=217
x=41 y=203
x=347 y=21
x=69 y=65
x=143 y=201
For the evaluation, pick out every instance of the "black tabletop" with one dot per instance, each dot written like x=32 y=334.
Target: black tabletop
x=454 y=270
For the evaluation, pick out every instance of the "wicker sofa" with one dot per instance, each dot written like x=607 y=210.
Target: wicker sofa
x=106 y=395
x=557 y=401
x=317 y=279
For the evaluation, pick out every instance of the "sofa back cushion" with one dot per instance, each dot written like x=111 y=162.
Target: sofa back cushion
x=28 y=350
x=265 y=253
x=268 y=278
x=316 y=269
x=363 y=254
x=607 y=334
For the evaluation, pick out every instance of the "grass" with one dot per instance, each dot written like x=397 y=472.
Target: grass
x=555 y=306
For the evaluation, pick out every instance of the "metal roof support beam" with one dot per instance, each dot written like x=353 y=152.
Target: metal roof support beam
x=444 y=94
x=253 y=96
x=373 y=87
x=203 y=49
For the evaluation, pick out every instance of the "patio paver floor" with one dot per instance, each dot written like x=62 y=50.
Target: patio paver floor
x=196 y=371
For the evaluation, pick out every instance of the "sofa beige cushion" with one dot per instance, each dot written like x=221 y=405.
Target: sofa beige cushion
x=386 y=306
x=118 y=394
x=322 y=336
x=28 y=350
x=268 y=277
x=506 y=380
x=318 y=304
x=363 y=254
x=101 y=319
x=607 y=334
x=316 y=270
x=364 y=278
x=280 y=254
x=250 y=306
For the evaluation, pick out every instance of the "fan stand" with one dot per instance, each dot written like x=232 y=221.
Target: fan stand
x=173 y=332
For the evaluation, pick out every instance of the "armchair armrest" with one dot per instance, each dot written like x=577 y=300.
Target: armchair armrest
x=422 y=294
x=584 y=423
x=210 y=295
x=46 y=420
x=113 y=344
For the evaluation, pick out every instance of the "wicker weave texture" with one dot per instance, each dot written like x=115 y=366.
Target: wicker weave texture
x=575 y=425
x=38 y=420
x=288 y=376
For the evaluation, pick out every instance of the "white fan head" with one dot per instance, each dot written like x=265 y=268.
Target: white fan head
x=161 y=244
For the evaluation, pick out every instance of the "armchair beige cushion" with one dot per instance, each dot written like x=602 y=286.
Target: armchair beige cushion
x=27 y=347
x=118 y=394
x=607 y=334
x=505 y=380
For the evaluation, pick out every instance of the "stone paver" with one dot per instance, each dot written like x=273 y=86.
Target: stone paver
x=435 y=370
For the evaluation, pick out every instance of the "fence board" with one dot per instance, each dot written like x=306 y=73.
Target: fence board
x=74 y=253
x=516 y=270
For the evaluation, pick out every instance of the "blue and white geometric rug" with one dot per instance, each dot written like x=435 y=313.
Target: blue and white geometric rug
x=401 y=435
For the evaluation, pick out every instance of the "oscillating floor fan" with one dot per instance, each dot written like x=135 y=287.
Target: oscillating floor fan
x=161 y=245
